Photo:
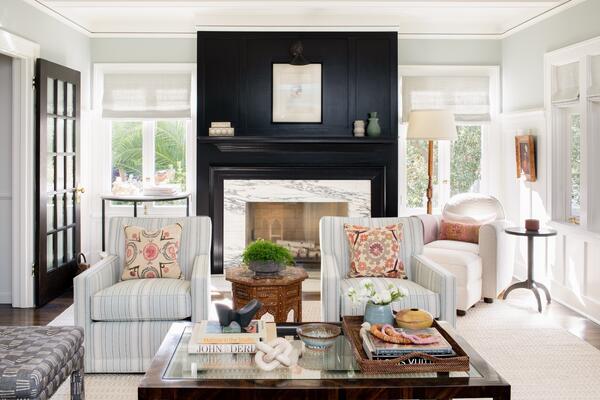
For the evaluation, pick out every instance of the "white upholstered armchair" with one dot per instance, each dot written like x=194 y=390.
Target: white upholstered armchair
x=481 y=270
x=125 y=321
x=429 y=286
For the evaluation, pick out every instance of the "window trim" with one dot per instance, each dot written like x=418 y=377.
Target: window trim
x=490 y=131
x=102 y=159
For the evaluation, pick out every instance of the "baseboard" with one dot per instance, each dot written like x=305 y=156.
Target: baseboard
x=565 y=296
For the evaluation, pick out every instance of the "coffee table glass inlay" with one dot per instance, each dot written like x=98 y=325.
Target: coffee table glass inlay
x=337 y=362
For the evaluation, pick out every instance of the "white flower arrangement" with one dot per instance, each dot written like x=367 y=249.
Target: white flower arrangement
x=367 y=292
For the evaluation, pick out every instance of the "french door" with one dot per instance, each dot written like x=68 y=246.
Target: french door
x=57 y=181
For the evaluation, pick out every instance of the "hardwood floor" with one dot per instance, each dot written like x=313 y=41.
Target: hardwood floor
x=566 y=318
x=40 y=316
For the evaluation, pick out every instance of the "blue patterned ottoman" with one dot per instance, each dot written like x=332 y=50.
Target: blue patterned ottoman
x=36 y=360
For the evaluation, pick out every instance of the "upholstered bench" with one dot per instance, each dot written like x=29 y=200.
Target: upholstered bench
x=36 y=360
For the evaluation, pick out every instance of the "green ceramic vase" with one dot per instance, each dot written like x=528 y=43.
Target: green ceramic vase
x=379 y=314
x=373 y=129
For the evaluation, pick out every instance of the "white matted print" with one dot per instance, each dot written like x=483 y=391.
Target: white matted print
x=297 y=93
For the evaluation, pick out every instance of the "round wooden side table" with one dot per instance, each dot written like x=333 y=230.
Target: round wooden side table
x=278 y=294
x=530 y=283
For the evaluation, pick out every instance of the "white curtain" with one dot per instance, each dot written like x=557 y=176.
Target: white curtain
x=565 y=83
x=594 y=90
x=467 y=96
x=147 y=95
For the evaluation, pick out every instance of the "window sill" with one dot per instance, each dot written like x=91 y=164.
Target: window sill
x=573 y=229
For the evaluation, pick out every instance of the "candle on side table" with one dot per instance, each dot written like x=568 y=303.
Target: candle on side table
x=532 y=224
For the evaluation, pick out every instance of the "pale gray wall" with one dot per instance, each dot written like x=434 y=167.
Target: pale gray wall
x=449 y=52
x=58 y=42
x=5 y=178
x=523 y=53
x=157 y=50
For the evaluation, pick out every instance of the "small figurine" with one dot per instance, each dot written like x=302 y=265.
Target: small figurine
x=243 y=316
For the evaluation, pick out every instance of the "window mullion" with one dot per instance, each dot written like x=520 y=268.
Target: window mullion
x=148 y=156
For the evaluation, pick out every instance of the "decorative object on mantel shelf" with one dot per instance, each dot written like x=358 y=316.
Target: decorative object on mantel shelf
x=359 y=128
x=525 y=156
x=378 y=309
x=373 y=129
x=532 y=224
x=266 y=258
x=220 y=129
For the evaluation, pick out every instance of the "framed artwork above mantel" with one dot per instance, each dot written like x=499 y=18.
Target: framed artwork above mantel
x=297 y=93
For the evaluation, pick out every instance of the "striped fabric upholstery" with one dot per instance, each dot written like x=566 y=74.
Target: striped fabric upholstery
x=143 y=300
x=417 y=296
x=128 y=346
x=335 y=263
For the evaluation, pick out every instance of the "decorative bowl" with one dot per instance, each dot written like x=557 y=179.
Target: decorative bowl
x=318 y=336
x=414 y=318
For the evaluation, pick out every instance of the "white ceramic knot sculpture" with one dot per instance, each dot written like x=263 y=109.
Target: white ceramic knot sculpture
x=275 y=353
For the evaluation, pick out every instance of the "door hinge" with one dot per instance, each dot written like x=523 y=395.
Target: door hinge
x=34 y=83
x=33 y=269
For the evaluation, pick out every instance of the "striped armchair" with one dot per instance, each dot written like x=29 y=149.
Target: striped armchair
x=125 y=321
x=429 y=286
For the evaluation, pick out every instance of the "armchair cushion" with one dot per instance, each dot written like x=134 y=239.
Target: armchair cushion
x=465 y=265
x=143 y=300
x=453 y=245
x=417 y=297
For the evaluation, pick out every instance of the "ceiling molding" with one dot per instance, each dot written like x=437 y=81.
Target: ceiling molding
x=52 y=8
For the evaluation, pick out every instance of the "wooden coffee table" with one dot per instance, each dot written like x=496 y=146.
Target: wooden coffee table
x=331 y=375
x=278 y=294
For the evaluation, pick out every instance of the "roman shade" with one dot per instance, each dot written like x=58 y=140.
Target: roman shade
x=594 y=89
x=147 y=95
x=468 y=97
x=565 y=83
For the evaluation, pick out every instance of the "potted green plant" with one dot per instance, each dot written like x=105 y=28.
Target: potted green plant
x=266 y=258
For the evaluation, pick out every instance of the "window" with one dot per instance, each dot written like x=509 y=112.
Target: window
x=148 y=153
x=456 y=167
x=575 y=166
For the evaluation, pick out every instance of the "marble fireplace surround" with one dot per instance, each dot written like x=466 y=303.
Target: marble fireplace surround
x=372 y=185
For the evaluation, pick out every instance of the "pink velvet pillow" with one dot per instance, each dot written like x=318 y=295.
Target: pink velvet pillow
x=458 y=231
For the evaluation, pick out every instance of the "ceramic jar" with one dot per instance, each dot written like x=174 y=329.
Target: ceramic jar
x=414 y=318
x=378 y=314
x=359 y=128
x=373 y=129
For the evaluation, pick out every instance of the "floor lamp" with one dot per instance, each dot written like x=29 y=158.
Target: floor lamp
x=431 y=125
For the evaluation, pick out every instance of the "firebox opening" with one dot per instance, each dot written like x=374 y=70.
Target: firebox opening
x=294 y=225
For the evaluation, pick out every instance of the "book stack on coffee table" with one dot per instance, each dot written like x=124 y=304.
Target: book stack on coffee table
x=208 y=338
x=377 y=349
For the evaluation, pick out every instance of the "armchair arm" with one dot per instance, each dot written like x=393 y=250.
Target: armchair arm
x=497 y=252
x=330 y=289
x=99 y=276
x=435 y=278
x=200 y=287
x=431 y=227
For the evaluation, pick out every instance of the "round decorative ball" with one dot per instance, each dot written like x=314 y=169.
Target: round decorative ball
x=414 y=318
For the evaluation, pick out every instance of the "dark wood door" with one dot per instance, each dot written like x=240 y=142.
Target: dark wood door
x=58 y=192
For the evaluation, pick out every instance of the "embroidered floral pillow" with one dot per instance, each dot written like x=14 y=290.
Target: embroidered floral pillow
x=459 y=231
x=152 y=253
x=375 y=251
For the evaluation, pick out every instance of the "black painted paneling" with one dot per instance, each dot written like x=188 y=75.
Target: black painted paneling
x=235 y=80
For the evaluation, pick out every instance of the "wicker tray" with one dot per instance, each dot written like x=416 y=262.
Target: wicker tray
x=351 y=326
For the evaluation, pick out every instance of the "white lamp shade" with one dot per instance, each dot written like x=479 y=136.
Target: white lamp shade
x=431 y=125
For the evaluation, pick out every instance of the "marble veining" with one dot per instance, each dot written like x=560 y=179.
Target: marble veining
x=237 y=192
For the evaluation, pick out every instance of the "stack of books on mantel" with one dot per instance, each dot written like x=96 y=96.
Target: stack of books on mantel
x=378 y=349
x=220 y=129
x=208 y=338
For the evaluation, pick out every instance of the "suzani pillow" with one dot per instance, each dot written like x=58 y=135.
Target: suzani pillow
x=152 y=253
x=460 y=232
x=375 y=251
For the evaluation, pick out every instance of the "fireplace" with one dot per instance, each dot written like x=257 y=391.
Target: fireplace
x=287 y=212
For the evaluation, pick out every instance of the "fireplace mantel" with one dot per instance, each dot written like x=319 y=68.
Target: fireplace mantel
x=295 y=144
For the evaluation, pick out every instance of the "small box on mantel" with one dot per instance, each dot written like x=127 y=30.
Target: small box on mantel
x=220 y=129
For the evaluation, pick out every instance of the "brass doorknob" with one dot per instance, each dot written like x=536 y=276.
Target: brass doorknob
x=80 y=189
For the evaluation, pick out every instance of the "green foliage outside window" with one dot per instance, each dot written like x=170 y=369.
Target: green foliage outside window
x=465 y=160
x=127 y=150
x=575 y=158
x=169 y=142
x=416 y=172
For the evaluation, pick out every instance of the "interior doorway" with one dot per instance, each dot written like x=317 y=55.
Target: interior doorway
x=6 y=195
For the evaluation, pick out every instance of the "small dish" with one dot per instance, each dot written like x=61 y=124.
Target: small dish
x=318 y=336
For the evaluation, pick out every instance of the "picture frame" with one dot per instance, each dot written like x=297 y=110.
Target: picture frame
x=525 y=157
x=297 y=94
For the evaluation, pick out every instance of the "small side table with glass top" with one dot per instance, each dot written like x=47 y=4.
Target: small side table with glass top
x=530 y=283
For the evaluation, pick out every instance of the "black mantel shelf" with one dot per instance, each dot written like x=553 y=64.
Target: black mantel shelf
x=295 y=144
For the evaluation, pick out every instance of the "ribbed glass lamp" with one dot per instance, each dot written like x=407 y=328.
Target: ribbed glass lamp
x=431 y=125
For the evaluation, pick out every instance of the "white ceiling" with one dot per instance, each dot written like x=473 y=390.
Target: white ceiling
x=467 y=18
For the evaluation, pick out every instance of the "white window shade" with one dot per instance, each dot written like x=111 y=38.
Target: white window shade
x=565 y=83
x=147 y=95
x=594 y=90
x=468 y=97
